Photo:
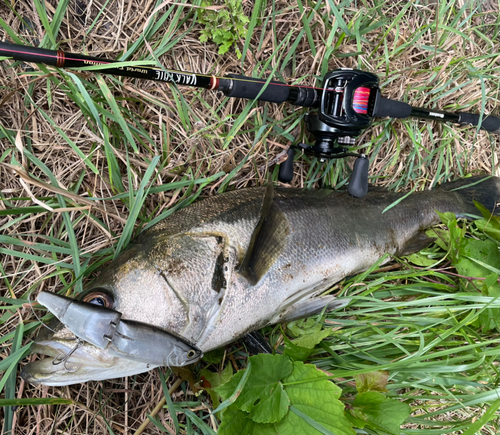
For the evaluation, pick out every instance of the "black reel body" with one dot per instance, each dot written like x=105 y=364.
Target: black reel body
x=349 y=97
x=347 y=103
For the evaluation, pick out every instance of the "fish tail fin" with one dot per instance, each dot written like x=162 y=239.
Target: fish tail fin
x=482 y=189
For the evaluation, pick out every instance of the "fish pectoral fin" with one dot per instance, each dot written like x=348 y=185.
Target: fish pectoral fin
x=268 y=240
x=255 y=343
x=308 y=307
x=418 y=242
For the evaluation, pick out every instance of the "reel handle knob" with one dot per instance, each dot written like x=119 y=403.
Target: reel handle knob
x=285 y=174
x=358 y=184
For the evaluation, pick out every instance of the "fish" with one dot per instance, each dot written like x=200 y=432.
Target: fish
x=233 y=263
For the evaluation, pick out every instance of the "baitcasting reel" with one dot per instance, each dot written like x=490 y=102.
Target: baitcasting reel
x=348 y=102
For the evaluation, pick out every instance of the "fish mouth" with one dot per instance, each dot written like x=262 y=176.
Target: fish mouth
x=64 y=363
x=55 y=362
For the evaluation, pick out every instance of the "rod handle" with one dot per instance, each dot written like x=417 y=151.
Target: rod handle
x=489 y=123
x=285 y=174
x=391 y=108
x=358 y=183
x=249 y=87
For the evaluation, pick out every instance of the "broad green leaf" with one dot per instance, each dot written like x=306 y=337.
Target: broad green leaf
x=309 y=341
x=217 y=379
x=475 y=253
x=485 y=251
x=304 y=326
x=214 y=356
x=442 y=237
x=488 y=227
x=314 y=406
x=213 y=380
x=357 y=422
x=236 y=393
x=239 y=422
x=489 y=318
x=372 y=381
x=493 y=220
x=313 y=394
x=449 y=219
x=491 y=286
x=271 y=406
x=456 y=234
x=263 y=395
x=223 y=26
x=380 y=412
x=420 y=260
x=295 y=352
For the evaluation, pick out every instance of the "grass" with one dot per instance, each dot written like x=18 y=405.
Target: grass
x=97 y=159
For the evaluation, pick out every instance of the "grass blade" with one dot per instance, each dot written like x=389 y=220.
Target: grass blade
x=136 y=205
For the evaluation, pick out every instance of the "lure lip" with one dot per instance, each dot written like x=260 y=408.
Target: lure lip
x=104 y=328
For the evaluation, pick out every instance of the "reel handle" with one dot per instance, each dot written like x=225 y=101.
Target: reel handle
x=358 y=183
x=285 y=174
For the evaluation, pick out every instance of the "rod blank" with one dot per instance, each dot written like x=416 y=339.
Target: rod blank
x=63 y=59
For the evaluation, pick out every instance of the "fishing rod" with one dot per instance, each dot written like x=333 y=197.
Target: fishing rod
x=233 y=85
x=345 y=105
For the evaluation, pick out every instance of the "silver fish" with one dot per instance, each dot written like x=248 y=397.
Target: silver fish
x=234 y=263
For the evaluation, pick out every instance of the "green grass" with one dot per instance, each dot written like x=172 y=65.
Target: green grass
x=113 y=156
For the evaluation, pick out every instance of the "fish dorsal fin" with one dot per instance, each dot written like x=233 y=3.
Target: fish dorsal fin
x=267 y=241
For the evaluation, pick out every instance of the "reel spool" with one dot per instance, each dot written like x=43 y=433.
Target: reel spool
x=349 y=99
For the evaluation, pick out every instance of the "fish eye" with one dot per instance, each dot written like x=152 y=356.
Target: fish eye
x=99 y=298
x=191 y=354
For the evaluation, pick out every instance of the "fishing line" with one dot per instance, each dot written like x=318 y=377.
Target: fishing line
x=31 y=303
x=35 y=314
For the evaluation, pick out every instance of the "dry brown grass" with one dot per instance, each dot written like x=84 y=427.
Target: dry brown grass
x=414 y=73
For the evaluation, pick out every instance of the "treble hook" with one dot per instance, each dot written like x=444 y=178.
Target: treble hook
x=64 y=359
